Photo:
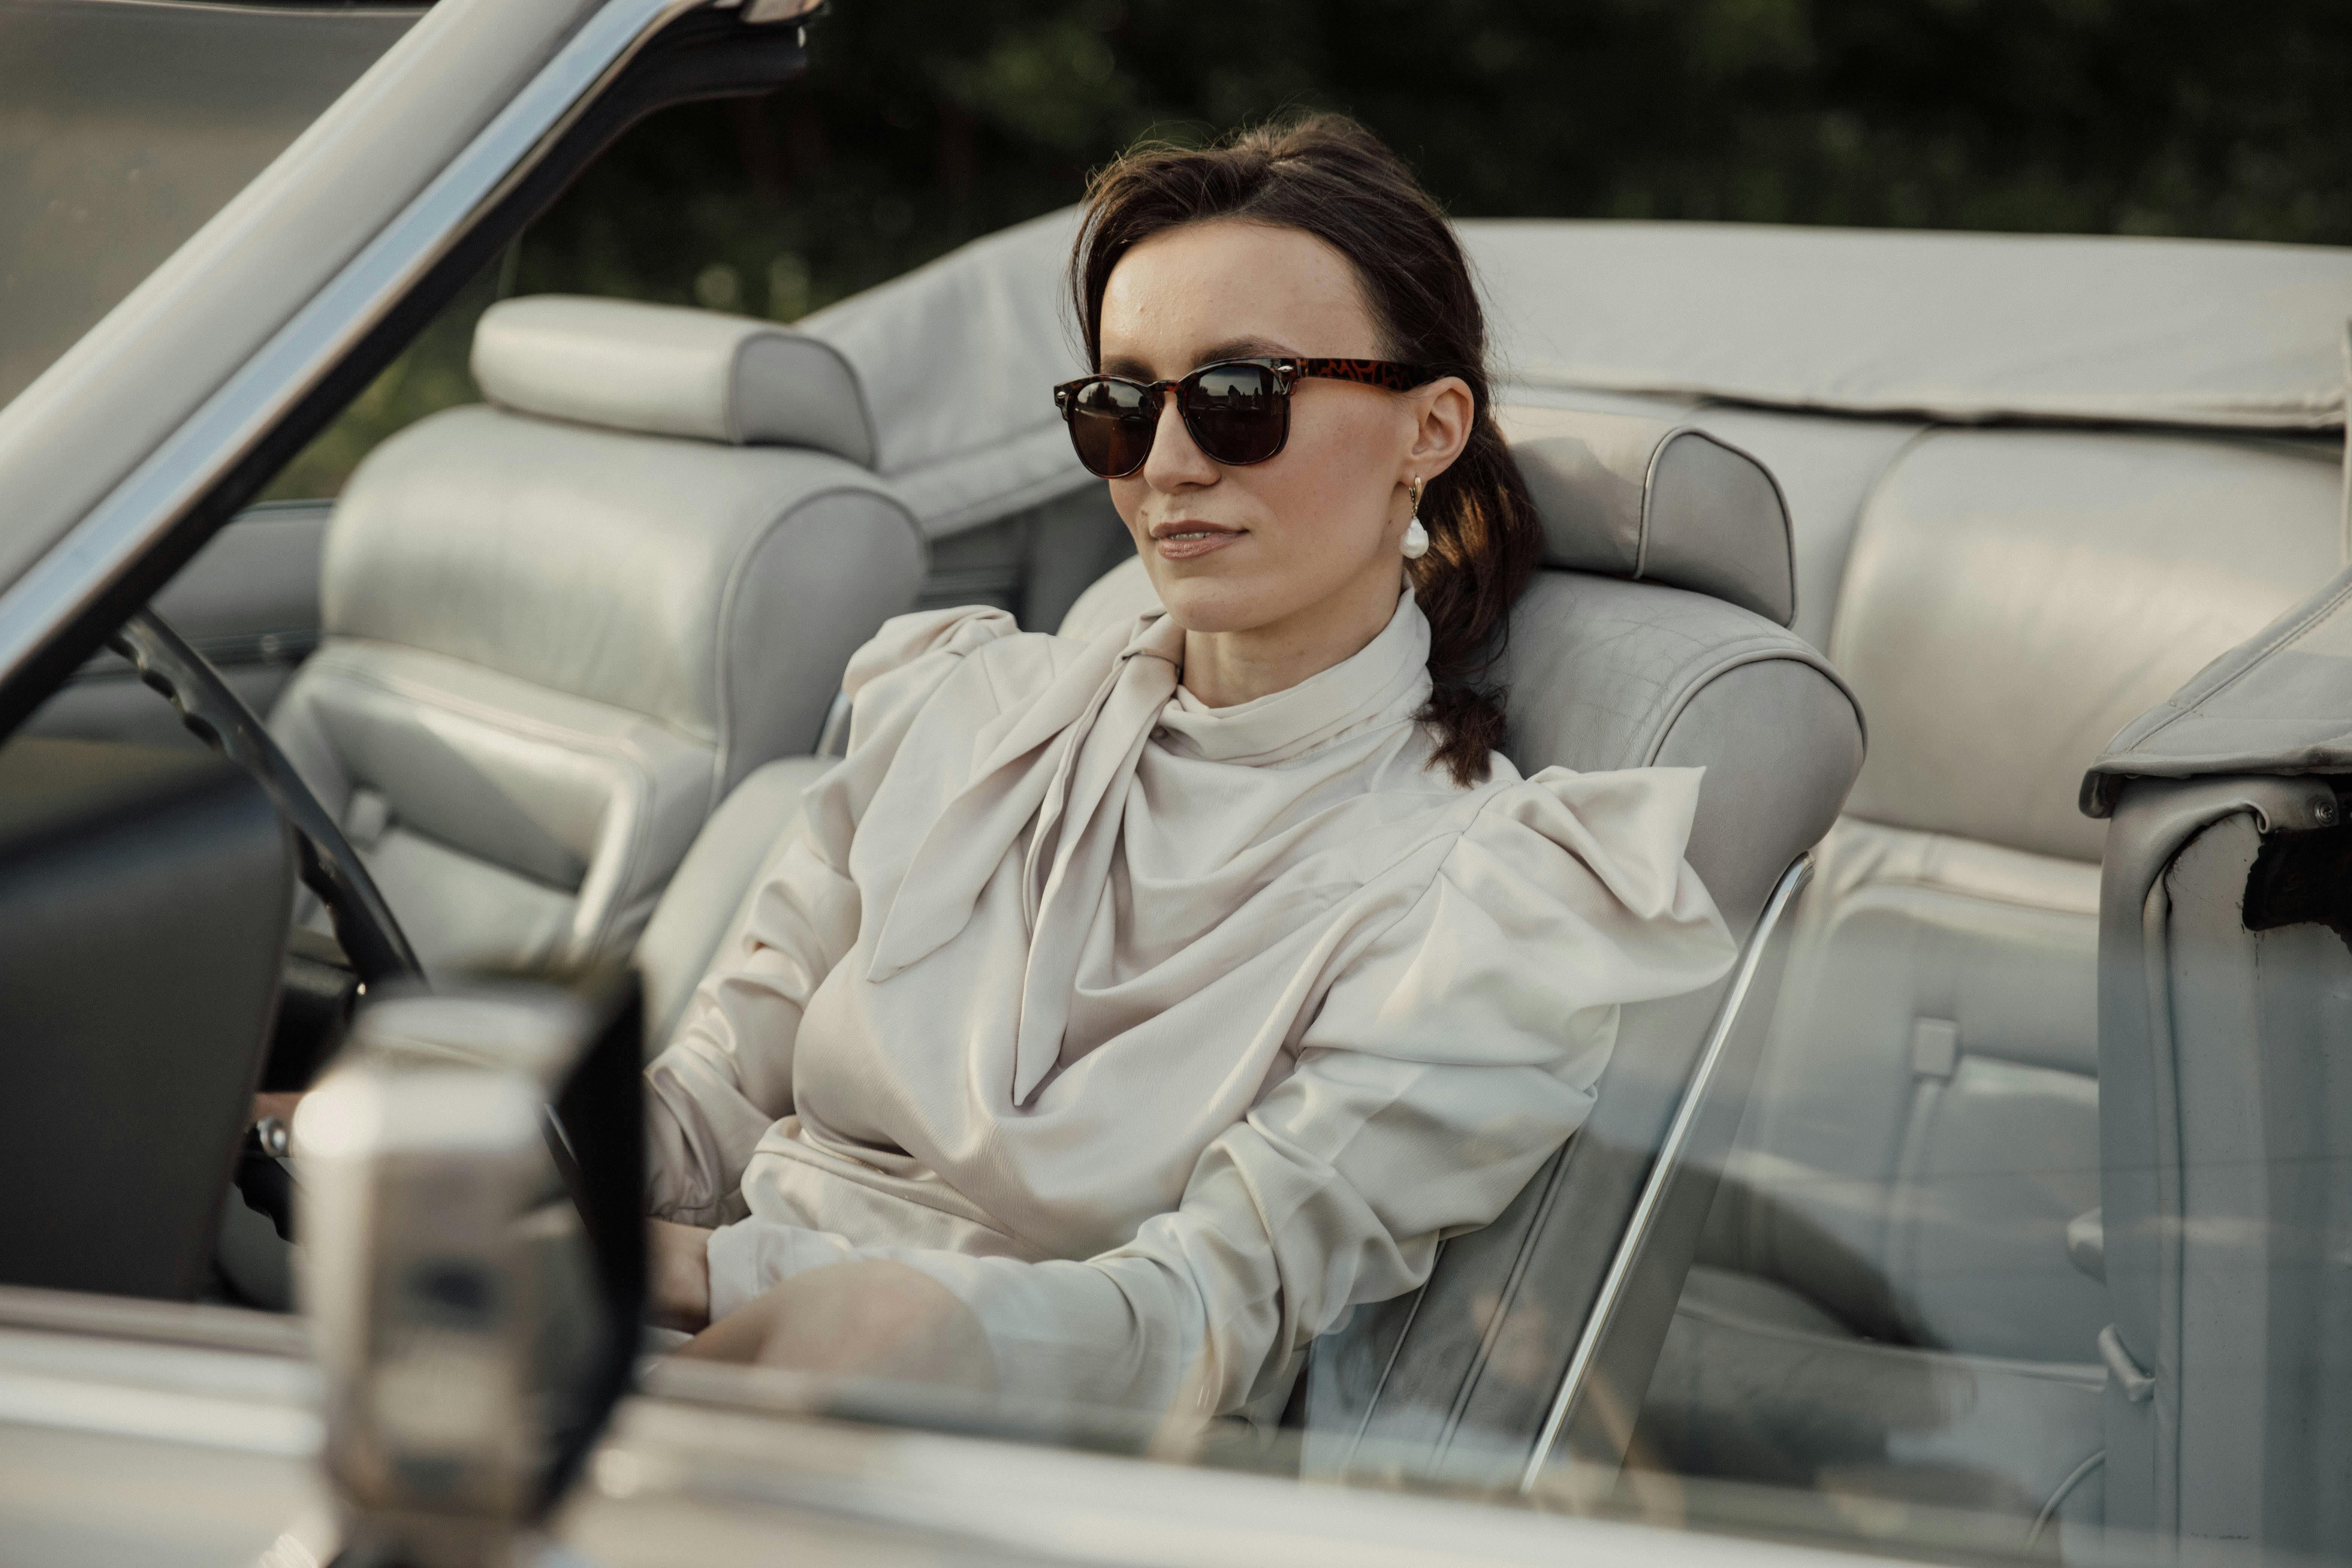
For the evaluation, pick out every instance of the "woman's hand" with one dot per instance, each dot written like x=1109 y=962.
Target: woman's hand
x=872 y=1317
x=677 y=1275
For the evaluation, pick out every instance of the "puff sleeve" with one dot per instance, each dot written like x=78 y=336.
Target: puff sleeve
x=727 y=1074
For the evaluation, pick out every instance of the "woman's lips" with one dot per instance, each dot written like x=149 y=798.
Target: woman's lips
x=1182 y=543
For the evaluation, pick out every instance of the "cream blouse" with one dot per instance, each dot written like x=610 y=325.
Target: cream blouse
x=1161 y=1035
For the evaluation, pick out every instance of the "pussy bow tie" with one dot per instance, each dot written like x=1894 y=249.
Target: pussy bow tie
x=1064 y=761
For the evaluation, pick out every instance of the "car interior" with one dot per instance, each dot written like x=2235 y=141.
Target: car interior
x=1894 y=561
x=559 y=628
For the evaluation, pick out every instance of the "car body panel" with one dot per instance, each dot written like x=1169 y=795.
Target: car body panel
x=177 y=1434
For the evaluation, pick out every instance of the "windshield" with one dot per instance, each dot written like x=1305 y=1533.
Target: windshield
x=125 y=124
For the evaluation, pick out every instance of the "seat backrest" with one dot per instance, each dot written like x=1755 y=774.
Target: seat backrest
x=1656 y=635
x=561 y=625
x=1924 y=1125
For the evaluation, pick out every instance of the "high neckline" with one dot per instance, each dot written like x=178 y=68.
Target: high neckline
x=1385 y=680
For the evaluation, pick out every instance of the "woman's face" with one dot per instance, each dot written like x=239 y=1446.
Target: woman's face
x=1314 y=533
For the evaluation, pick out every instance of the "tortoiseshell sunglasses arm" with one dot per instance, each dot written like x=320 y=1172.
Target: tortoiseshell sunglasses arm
x=1371 y=372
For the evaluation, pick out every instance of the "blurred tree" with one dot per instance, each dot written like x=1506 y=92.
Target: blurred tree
x=923 y=123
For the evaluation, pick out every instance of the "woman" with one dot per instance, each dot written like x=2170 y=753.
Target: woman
x=1131 y=1009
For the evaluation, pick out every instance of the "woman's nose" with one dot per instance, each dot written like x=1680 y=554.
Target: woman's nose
x=1175 y=461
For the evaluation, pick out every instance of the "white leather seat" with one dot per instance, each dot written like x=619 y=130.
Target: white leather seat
x=560 y=627
x=1884 y=1303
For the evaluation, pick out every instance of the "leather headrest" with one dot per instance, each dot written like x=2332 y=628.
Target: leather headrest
x=661 y=370
x=705 y=586
x=1662 y=502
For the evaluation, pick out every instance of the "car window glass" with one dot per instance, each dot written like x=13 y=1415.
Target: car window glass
x=126 y=124
x=1914 y=1318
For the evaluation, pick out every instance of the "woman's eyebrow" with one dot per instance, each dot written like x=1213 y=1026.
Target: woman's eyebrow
x=1244 y=348
x=1128 y=367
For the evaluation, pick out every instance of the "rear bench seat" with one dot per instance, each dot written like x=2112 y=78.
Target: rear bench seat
x=1884 y=1302
x=2035 y=485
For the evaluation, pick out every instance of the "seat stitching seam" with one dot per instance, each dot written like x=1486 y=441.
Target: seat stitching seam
x=1738 y=657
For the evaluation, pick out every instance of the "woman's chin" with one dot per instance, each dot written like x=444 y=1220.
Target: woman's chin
x=1208 y=605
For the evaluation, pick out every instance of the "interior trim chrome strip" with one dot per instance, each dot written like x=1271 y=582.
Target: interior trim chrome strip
x=198 y=1418
x=120 y=527
x=1663 y=1169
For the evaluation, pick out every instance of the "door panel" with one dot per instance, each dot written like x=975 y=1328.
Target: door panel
x=249 y=602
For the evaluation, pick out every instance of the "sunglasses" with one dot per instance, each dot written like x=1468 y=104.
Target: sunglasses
x=1238 y=412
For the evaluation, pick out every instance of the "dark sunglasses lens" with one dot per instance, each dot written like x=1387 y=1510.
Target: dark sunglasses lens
x=1237 y=413
x=1111 y=425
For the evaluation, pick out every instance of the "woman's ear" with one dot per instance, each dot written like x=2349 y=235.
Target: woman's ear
x=1445 y=410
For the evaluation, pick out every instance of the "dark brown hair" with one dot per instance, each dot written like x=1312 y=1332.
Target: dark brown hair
x=1329 y=177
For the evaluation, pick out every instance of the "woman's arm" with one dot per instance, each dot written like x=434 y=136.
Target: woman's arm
x=867 y=1318
x=727 y=1077
x=677 y=1276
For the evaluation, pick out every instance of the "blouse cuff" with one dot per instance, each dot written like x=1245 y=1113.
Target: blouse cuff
x=752 y=1256
x=1065 y=1332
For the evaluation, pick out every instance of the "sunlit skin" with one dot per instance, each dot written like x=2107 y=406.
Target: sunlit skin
x=1277 y=571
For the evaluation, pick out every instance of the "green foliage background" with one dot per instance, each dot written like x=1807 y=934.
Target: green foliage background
x=923 y=123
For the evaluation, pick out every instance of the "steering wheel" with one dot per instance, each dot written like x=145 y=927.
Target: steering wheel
x=364 y=924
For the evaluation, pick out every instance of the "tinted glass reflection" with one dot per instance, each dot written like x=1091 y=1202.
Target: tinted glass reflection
x=126 y=124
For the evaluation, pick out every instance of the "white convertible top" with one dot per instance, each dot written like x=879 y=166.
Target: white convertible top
x=957 y=356
x=959 y=359
x=1957 y=327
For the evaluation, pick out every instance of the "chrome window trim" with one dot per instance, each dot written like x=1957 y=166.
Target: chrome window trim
x=273 y=1422
x=1663 y=1169
x=94 y=553
x=813 y=1485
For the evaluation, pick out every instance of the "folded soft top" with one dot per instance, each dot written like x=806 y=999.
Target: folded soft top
x=957 y=356
x=1966 y=328
x=2278 y=703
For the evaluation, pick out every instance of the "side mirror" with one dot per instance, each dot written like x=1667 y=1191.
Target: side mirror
x=472 y=1189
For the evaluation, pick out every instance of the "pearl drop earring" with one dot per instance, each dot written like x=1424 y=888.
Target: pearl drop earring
x=1416 y=538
